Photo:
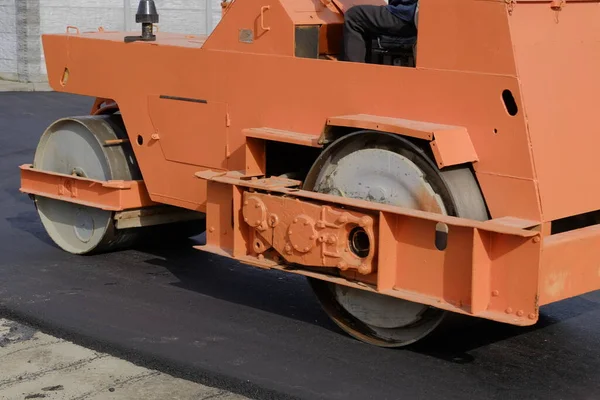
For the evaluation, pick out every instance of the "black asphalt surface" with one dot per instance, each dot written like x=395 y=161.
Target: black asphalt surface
x=258 y=333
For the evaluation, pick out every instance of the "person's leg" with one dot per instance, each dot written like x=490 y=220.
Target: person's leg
x=364 y=22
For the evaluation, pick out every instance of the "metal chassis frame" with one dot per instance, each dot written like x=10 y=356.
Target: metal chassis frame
x=502 y=269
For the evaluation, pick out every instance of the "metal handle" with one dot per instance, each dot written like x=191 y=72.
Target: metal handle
x=72 y=28
x=262 y=18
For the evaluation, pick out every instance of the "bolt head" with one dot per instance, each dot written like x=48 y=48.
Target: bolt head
x=509 y=310
x=531 y=316
x=520 y=313
x=495 y=293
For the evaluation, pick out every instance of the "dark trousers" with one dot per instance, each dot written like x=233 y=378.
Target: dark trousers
x=364 y=23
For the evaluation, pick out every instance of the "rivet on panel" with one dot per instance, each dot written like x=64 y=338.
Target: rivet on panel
x=246 y=202
x=288 y=249
x=531 y=316
x=342 y=265
x=495 y=293
x=520 y=313
x=509 y=310
x=536 y=239
x=211 y=229
x=295 y=220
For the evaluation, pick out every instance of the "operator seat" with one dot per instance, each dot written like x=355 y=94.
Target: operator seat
x=393 y=50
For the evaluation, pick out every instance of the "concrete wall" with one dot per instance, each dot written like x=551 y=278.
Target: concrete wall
x=23 y=21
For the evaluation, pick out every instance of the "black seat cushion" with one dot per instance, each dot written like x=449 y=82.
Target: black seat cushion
x=395 y=42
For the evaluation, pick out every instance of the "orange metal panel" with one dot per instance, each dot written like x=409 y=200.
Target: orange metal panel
x=254 y=27
x=453 y=147
x=444 y=26
x=279 y=135
x=255 y=102
x=107 y=195
x=557 y=60
x=509 y=196
x=570 y=265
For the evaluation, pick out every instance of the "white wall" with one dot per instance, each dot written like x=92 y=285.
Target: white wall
x=8 y=40
x=23 y=21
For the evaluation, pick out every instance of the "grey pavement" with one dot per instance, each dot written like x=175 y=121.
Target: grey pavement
x=34 y=365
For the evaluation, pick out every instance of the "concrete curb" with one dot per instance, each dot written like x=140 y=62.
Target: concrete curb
x=11 y=86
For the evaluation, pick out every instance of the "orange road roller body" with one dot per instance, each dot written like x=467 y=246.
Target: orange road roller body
x=449 y=174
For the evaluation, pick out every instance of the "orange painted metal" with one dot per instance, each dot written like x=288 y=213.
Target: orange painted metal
x=480 y=258
x=307 y=234
x=570 y=264
x=517 y=101
x=451 y=145
x=107 y=195
x=278 y=135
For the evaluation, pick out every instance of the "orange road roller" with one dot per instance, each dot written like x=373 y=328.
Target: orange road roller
x=449 y=172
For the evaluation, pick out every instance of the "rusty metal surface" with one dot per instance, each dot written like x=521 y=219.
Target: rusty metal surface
x=109 y=195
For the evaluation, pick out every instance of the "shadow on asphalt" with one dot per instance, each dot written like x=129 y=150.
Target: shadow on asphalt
x=452 y=341
x=211 y=275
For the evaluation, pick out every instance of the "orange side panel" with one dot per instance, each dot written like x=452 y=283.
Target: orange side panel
x=558 y=59
x=253 y=27
x=229 y=72
x=451 y=145
x=570 y=264
x=201 y=122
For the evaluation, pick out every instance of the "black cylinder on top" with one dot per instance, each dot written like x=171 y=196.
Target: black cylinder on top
x=147 y=16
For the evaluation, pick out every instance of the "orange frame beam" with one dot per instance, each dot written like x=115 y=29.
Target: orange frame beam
x=106 y=195
x=479 y=273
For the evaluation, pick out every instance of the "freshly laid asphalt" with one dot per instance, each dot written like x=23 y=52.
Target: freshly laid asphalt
x=259 y=333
